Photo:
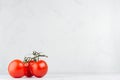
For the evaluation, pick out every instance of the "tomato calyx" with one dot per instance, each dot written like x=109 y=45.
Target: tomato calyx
x=36 y=57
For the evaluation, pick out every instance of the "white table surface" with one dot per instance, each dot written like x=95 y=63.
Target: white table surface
x=68 y=77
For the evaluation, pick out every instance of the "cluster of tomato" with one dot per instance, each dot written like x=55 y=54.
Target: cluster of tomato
x=31 y=66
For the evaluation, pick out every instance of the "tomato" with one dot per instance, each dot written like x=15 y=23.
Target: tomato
x=39 y=68
x=27 y=70
x=16 y=68
x=30 y=66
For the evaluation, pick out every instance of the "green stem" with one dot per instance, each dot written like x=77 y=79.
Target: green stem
x=36 y=57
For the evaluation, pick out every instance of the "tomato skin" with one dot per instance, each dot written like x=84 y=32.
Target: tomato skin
x=16 y=68
x=39 y=69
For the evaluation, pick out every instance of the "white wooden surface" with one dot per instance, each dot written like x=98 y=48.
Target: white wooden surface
x=68 y=77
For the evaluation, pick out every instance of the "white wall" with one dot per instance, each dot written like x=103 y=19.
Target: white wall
x=77 y=35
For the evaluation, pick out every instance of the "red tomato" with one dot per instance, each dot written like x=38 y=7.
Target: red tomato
x=39 y=69
x=16 y=68
x=27 y=70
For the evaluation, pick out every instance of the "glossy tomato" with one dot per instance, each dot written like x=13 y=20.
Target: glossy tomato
x=39 y=68
x=27 y=69
x=16 y=68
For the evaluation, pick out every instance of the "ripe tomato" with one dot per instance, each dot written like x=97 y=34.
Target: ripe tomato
x=16 y=68
x=39 y=68
x=27 y=70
